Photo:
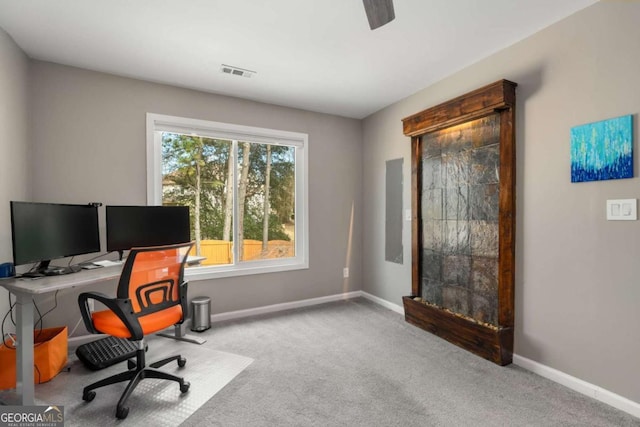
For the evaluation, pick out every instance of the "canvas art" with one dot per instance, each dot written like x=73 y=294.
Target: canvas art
x=602 y=150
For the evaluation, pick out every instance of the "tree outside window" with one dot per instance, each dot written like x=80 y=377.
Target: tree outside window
x=233 y=188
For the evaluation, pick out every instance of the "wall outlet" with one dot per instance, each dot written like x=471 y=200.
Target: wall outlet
x=345 y=272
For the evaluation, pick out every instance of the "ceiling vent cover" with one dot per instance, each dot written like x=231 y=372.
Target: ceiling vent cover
x=236 y=71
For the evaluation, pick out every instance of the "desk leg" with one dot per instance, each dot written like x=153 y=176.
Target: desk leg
x=24 y=350
x=178 y=334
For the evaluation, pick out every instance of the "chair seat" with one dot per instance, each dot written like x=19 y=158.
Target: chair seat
x=107 y=322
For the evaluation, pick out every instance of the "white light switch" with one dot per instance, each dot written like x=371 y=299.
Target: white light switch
x=622 y=210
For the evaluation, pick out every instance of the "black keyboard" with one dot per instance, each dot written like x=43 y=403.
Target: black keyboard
x=105 y=352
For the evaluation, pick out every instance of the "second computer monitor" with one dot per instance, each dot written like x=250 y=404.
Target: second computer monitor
x=141 y=226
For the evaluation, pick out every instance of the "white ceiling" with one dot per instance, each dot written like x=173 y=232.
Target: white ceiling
x=318 y=55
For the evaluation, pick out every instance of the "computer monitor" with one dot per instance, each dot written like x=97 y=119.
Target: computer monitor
x=140 y=226
x=42 y=232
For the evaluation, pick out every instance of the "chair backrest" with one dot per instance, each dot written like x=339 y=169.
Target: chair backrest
x=151 y=277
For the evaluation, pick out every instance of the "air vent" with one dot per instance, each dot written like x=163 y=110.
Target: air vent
x=236 y=71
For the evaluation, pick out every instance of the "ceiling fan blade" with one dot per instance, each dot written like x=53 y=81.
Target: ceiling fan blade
x=379 y=12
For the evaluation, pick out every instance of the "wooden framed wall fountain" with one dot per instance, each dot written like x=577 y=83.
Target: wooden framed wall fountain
x=463 y=224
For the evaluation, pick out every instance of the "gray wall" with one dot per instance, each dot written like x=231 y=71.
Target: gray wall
x=14 y=172
x=89 y=145
x=577 y=286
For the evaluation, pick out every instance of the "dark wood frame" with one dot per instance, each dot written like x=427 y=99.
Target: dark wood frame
x=495 y=344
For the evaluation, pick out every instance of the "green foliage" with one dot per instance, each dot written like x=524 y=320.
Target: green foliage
x=180 y=154
x=253 y=226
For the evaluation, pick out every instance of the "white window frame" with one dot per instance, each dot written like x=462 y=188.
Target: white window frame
x=159 y=123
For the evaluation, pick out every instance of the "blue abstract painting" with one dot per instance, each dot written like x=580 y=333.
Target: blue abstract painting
x=602 y=150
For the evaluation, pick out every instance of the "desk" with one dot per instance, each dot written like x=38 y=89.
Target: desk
x=25 y=290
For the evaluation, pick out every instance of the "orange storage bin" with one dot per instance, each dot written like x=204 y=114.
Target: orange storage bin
x=49 y=356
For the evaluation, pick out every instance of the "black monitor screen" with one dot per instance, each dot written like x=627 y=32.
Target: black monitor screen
x=45 y=231
x=140 y=226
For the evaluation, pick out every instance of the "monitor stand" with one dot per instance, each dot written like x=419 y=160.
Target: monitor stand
x=59 y=271
x=43 y=269
x=31 y=275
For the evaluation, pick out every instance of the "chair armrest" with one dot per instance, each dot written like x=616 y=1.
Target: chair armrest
x=120 y=307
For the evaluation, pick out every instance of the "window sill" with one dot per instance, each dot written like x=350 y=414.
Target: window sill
x=245 y=269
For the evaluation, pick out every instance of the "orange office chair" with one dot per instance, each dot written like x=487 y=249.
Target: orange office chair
x=152 y=296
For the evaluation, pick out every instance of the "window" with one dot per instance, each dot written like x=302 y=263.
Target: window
x=246 y=188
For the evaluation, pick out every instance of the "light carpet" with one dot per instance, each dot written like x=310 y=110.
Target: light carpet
x=154 y=402
x=354 y=363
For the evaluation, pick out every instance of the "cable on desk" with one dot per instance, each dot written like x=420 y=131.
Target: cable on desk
x=4 y=319
x=96 y=257
x=2 y=327
x=41 y=316
x=39 y=320
x=33 y=267
x=55 y=303
x=11 y=310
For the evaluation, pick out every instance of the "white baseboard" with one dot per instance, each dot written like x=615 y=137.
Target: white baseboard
x=304 y=303
x=383 y=302
x=83 y=339
x=283 y=306
x=581 y=386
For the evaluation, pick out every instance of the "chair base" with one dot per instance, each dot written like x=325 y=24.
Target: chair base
x=136 y=373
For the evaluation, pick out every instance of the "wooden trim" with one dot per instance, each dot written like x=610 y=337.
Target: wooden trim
x=507 y=219
x=473 y=105
x=416 y=190
x=492 y=344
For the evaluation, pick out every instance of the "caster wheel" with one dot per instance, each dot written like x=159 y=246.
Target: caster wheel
x=88 y=396
x=121 y=413
x=184 y=387
x=181 y=362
